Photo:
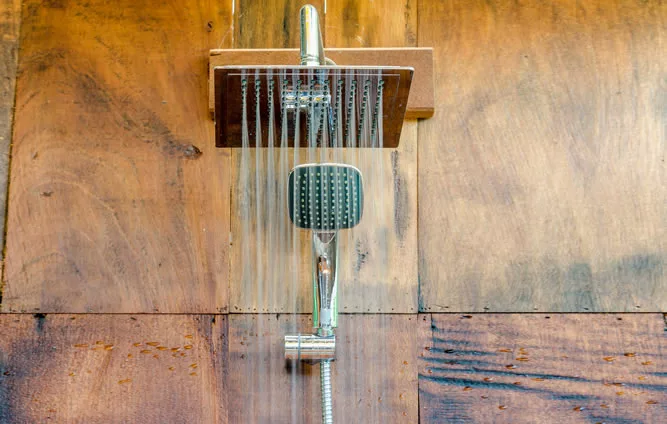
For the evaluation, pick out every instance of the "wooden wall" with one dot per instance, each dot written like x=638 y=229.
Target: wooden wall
x=542 y=176
x=540 y=185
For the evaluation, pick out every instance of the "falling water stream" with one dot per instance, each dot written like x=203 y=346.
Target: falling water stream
x=275 y=256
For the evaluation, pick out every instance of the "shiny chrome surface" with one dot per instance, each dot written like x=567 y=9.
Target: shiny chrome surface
x=312 y=49
x=310 y=347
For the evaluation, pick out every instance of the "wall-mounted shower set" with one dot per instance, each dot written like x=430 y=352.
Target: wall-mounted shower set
x=317 y=104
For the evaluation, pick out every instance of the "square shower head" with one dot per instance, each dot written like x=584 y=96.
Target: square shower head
x=325 y=196
x=340 y=104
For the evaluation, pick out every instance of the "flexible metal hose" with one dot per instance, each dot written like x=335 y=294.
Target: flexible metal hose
x=325 y=380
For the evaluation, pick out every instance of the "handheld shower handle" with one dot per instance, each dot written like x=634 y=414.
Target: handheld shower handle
x=312 y=48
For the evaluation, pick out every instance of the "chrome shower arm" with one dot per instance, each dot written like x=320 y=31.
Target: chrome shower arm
x=312 y=48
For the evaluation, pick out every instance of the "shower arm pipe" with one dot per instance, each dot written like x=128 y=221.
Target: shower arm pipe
x=312 y=47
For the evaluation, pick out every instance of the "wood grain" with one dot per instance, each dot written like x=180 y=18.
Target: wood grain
x=119 y=199
x=113 y=368
x=384 y=278
x=536 y=368
x=542 y=176
x=373 y=376
x=10 y=17
x=378 y=265
x=420 y=100
x=271 y=23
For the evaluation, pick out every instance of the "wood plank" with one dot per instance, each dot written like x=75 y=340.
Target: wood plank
x=119 y=198
x=420 y=100
x=378 y=265
x=271 y=23
x=10 y=19
x=373 y=376
x=542 y=175
x=113 y=368
x=384 y=278
x=536 y=368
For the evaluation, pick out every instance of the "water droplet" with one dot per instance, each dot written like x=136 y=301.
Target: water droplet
x=467 y=388
x=609 y=358
x=487 y=379
x=505 y=350
x=629 y=354
x=502 y=407
x=127 y=380
x=145 y=351
x=187 y=347
x=578 y=408
x=152 y=343
x=522 y=359
x=647 y=363
x=510 y=367
x=651 y=402
x=81 y=345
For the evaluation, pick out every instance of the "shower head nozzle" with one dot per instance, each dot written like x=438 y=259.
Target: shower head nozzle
x=354 y=98
x=325 y=197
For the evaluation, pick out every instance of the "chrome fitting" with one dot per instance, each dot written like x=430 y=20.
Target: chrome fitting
x=310 y=347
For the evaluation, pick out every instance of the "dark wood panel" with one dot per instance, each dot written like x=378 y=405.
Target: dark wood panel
x=10 y=16
x=119 y=200
x=542 y=176
x=113 y=368
x=536 y=368
x=373 y=377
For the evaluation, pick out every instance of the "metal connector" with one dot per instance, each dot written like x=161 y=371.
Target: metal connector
x=312 y=48
x=310 y=347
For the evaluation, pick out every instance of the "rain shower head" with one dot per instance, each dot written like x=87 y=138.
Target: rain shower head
x=316 y=104
x=325 y=197
x=340 y=103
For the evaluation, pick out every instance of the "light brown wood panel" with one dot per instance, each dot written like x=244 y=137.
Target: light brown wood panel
x=542 y=176
x=377 y=259
x=119 y=200
x=10 y=17
x=374 y=376
x=380 y=23
x=378 y=265
x=265 y=24
x=386 y=243
x=113 y=368
x=536 y=368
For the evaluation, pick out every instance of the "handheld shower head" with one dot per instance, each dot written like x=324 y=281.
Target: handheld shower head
x=325 y=197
